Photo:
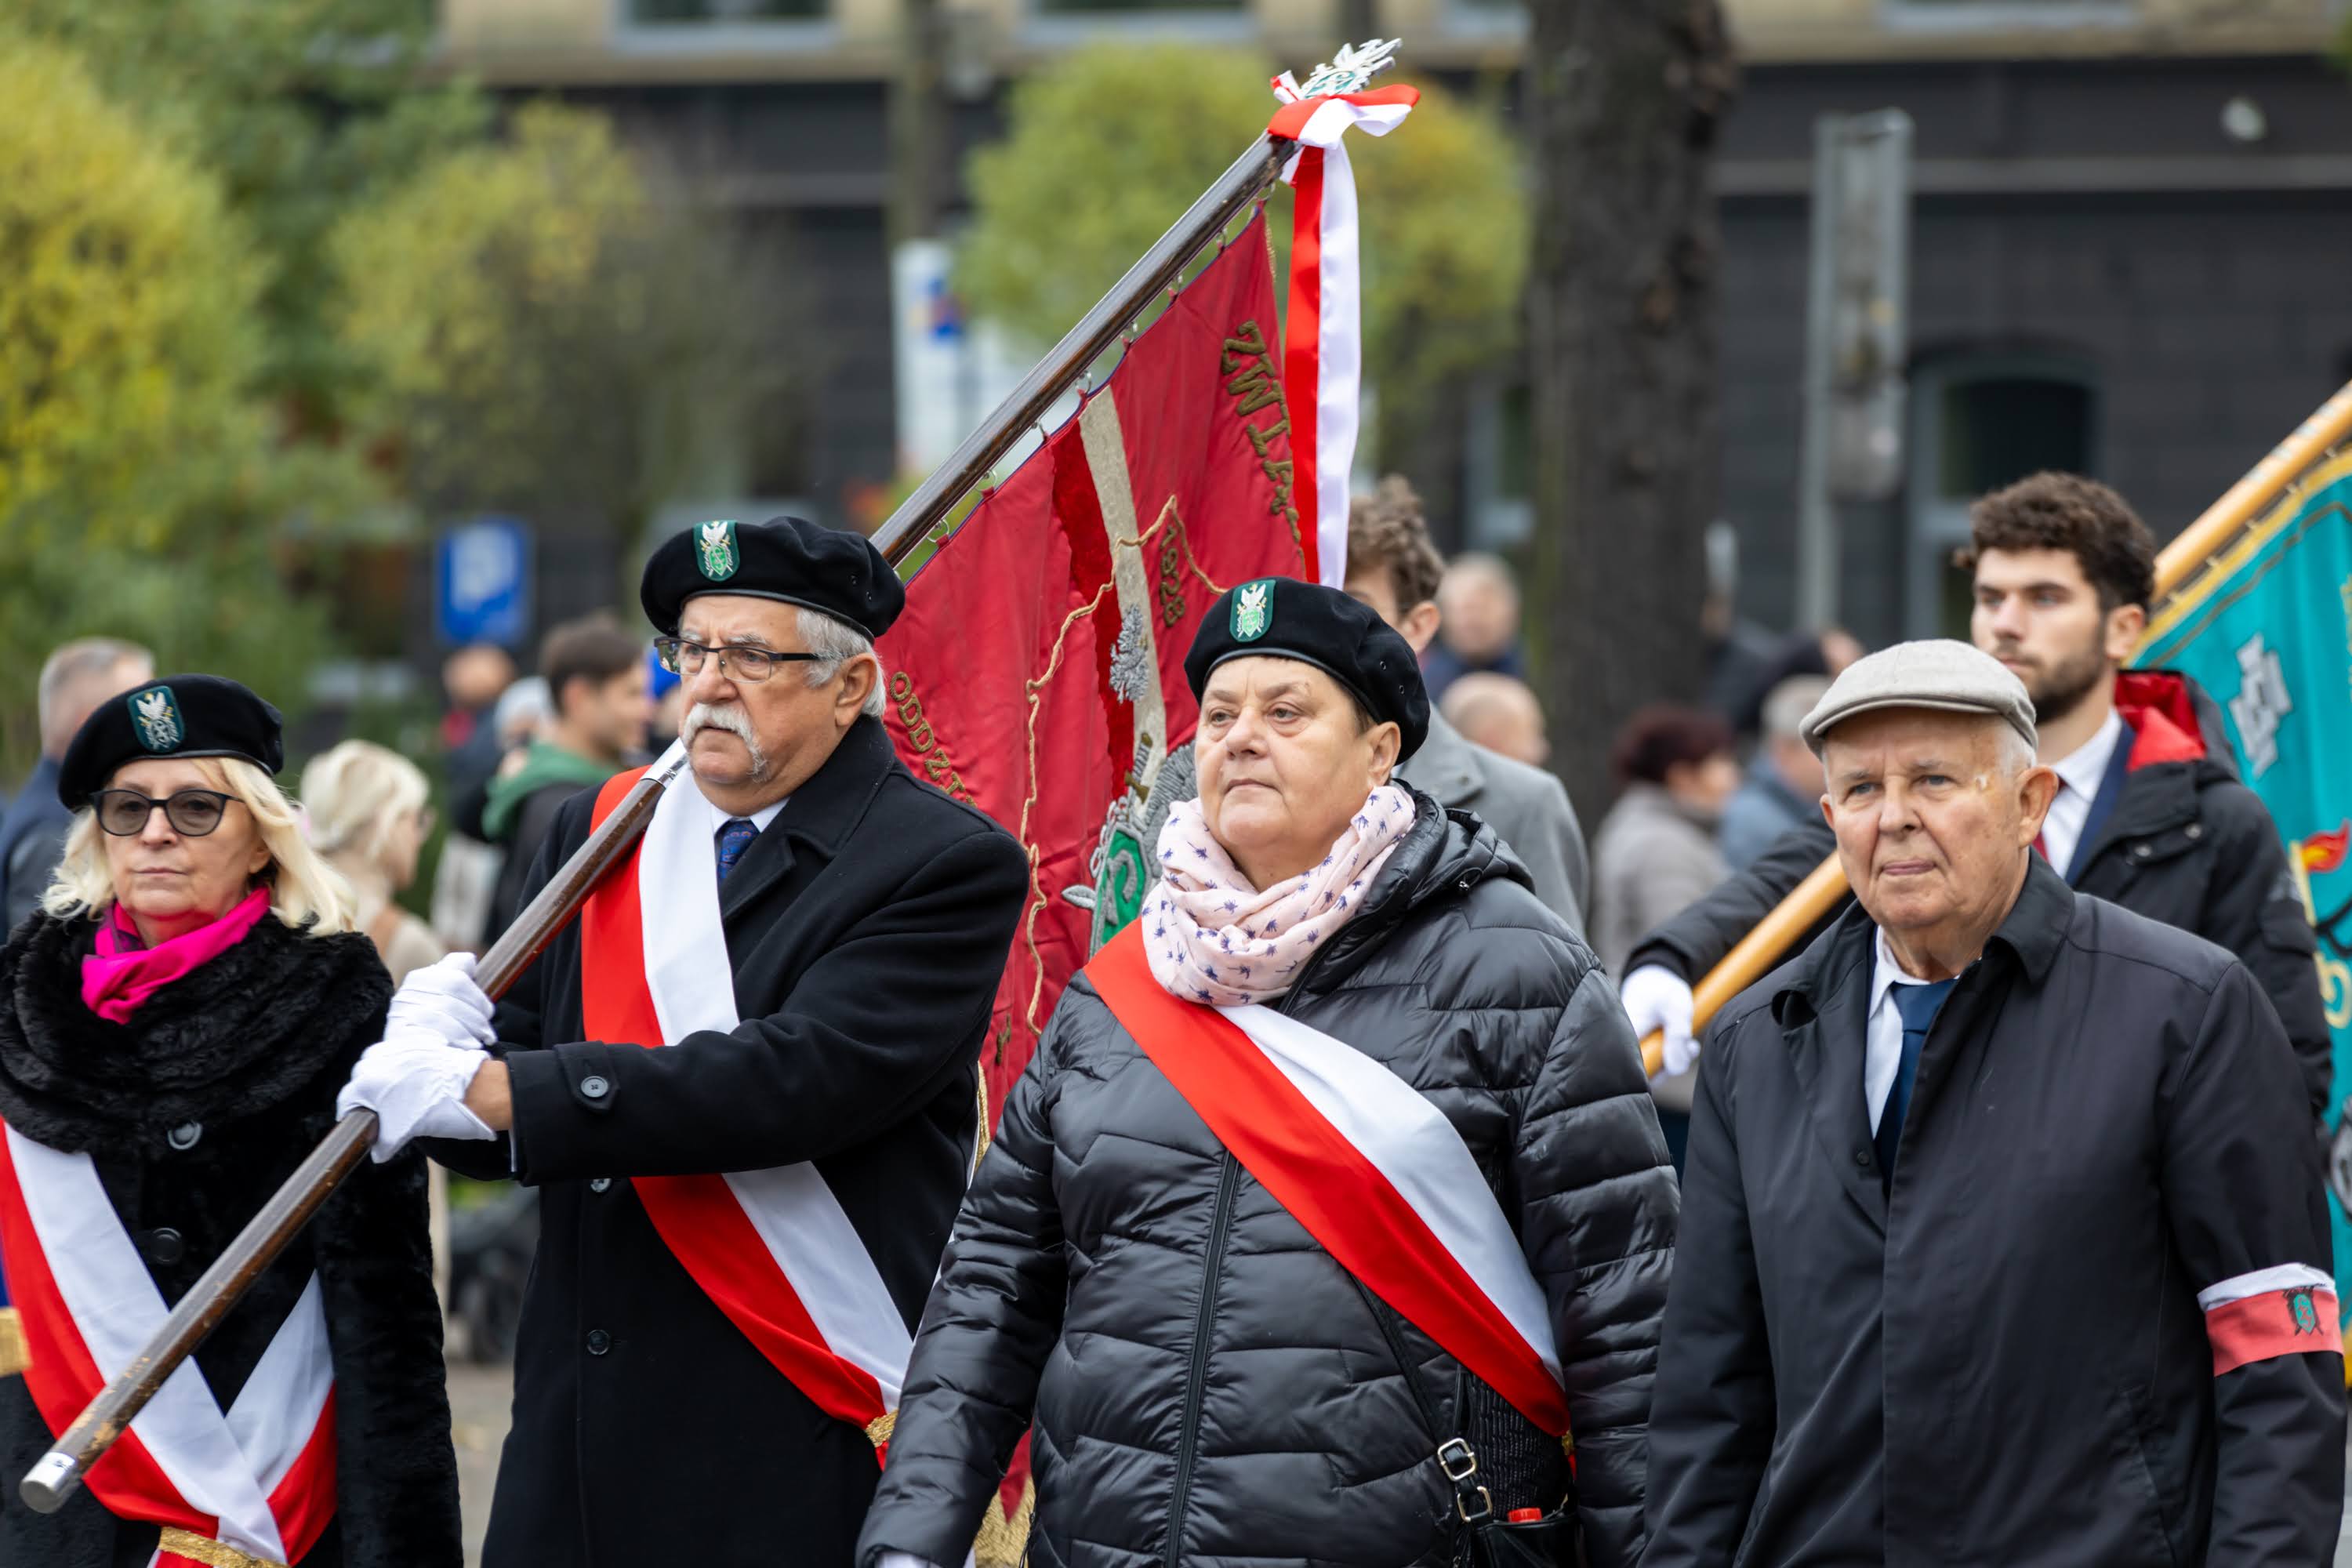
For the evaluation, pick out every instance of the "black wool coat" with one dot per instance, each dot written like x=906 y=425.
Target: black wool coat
x=2001 y=1361
x=245 y=1055
x=2187 y=843
x=866 y=928
x=1208 y=1386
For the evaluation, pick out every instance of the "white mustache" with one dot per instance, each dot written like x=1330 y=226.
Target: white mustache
x=732 y=717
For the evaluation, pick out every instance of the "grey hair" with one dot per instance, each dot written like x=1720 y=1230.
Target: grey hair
x=837 y=643
x=2016 y=754
x=66 y=673
x=1786 y=704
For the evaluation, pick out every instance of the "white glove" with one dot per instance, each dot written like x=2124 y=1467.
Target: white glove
x=1656 y=997
x=442 y=1000
x=415 y=1083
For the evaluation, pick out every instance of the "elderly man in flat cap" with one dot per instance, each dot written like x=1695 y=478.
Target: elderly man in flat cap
x=2003 y=1240
x=738 y=1228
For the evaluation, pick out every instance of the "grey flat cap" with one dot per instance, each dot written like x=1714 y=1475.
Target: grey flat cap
x=1948 y=675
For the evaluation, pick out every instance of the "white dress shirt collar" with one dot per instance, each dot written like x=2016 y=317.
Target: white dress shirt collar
x=1882 y=1029
x=719 y=818
x=2079 y=772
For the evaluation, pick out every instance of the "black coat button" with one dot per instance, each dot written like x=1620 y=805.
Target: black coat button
x=183 y=1136
x=600 y=1184
x=1862 y=1156
x=599 y=1341
x=164 y=1246
x=596 y=1087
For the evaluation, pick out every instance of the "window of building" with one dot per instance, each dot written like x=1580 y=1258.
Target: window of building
x=723 y=26
x=1061 y=22
x=669 y=12
x=1131 y=8
x=1979 y=423
x=2003 y=15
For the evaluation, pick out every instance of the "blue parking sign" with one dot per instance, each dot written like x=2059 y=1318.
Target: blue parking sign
x=483 y=577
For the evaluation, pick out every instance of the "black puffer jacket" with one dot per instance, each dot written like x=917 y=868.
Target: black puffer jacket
x=194 y=1113
x=1208 y=1385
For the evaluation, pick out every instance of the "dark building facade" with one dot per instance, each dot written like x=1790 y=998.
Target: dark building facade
x=2124 y=259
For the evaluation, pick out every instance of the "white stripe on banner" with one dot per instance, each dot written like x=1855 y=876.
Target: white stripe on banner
x=1339 y=334
x=222 y=1465
x=814 y=1245
x=2279 y=1276
x=1409 y=1141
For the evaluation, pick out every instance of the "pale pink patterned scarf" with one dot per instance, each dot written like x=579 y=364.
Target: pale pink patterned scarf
x=1213 y=938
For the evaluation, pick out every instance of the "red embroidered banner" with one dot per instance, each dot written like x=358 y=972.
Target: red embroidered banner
x=1038 y=669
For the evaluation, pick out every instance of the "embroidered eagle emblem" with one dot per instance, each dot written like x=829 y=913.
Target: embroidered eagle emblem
x=155 y=714
x=1252 y=610
x=715 y=552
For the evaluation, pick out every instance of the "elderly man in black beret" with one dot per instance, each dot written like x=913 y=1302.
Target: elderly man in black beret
x=738 y=1228
x=1332 y=1202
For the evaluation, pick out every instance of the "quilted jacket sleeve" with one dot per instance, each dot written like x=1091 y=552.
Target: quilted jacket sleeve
x=1599 y=1208
x=992 y=1319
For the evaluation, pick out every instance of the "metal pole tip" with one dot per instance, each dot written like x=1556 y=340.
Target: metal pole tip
x=48 y=1484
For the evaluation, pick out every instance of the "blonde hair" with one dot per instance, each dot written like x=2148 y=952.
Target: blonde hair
x=355 y=794
x=305 y=892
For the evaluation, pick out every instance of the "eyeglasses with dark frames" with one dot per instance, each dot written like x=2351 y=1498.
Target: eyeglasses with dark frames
x=739 y=661
x=193 y=813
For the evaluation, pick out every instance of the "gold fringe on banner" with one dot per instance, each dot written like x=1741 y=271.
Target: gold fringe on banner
x=13 y=1357
x=1003 y=1542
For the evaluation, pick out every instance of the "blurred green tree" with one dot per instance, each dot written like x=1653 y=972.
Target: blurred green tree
x=143 y=478
x=302 y=109
x=1107 y=145
x=548 y=327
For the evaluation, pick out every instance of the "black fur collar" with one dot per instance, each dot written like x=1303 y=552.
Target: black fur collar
x=235 y=1037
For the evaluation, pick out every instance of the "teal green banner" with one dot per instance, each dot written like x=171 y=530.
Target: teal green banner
x=2269 y=634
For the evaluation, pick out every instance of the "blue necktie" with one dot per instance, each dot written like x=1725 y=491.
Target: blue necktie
x=1917 y=1006
x=735 y=835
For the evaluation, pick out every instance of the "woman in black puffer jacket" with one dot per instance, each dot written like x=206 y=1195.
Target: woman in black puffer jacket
x=1207 y=1384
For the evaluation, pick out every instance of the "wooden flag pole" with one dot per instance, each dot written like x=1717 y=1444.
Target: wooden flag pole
x=2176 y=567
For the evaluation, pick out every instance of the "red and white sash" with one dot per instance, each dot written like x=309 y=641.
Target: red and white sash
x=260 y=1479
x=1374 y=1171
x=772 y=1249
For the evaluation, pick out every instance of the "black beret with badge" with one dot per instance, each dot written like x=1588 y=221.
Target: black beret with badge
x=178 y=716
x=1282 y=617
x=784 y=559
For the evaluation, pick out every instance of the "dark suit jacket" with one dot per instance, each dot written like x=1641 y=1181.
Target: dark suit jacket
x=2002 y=1362
x=866 y=929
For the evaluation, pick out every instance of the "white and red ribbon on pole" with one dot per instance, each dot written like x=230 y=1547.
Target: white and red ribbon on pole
x=1323 y=346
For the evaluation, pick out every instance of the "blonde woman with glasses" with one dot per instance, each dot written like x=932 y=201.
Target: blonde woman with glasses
x=174 y=1028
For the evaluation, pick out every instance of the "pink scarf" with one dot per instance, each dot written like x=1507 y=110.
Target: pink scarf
x=117 y=979
x=1211 y=937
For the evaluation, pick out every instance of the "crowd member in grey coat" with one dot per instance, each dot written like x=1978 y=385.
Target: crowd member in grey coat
x=1783 y=786
x=75 y=678
x=2004 y=1240
x=1208 y=1385
x=1656 y=851
x=1393 y=567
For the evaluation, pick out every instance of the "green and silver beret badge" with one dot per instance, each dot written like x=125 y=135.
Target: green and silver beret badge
x=1252 y=610
x=155 y=715
x=715 y=550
